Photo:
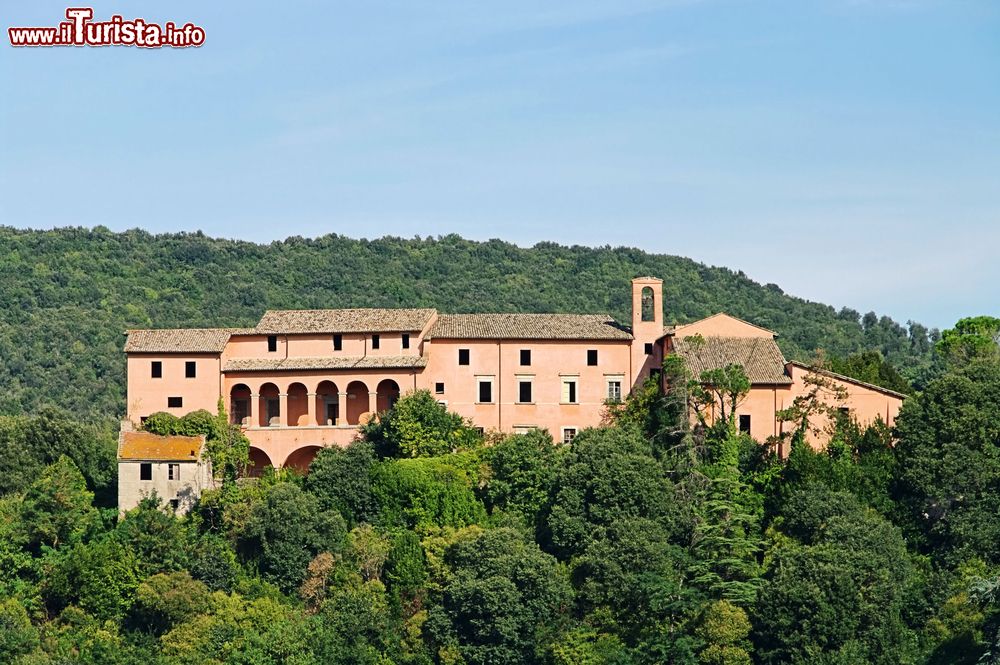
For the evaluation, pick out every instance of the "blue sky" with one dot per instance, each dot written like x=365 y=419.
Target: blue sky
x=847 y=150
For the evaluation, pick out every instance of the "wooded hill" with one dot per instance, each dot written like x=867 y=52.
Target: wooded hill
x=67 y=295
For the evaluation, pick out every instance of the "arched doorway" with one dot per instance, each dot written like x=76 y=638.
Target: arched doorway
x=302 y=458
x=270 y=405
x=357 y=401
x=328 y=403
x=258 y=462
x=298 y=409
x=239 y=404
x=387 y=394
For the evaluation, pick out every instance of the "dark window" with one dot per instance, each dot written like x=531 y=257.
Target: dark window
x=174 y=504
x=375 y=341
x=175 y=402
x=272 y=343
x=146 y=471
x=406 y=340
x=173 y=472
x=569 y=433
x=486 y=392
x=338 y=342
x=463 y=356
x=190 y=369
x=525 y=357
x=745 y=424
x=156 y=369
x=524 y=392
x=570 y=392
x=479 y=430
x=649 y=348
x=592 y=357
x=647 y=305
x=439 y=388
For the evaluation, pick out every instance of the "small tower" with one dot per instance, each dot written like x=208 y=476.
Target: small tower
x=647 y=327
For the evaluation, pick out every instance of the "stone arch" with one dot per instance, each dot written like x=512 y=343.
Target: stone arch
x=301 y=458
x=357 y=401
x=298 y=407
x=239 y=404
x=387 y=393
x=270 y=405
x=328 y=403
x=258 y=462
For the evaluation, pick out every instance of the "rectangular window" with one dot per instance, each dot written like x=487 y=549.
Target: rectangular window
x=146 y=471
x=439 y=388
x=524 y=429
x=615 y=390
x=375 y=341
x=156 y=369
x=175 y=402
x=338 y=342
x=406 y=340
x=745 y=424
x=272 y=343
x=525 y=357
x=569 y=433
x=190 y=369
x=592 y=357
x=649 y=348
x=463 y=356
x=175 y=504
x=569 y=391
x=524 y=392
x=485 y=391
x=173 y=472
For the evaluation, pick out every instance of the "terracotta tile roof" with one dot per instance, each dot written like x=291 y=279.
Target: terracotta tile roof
x=348 y=362
x=180 y=340
x=760 y=357
x=292 y=321
x=153 y=447
x=848 y=379
x=528 y=326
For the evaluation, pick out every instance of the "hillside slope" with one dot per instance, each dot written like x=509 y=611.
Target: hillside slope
x=67 y=295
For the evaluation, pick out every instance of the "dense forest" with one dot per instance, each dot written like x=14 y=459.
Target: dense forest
x=66 y=297
x=648 y=540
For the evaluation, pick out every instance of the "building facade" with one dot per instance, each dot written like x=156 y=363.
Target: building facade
x=305 y=379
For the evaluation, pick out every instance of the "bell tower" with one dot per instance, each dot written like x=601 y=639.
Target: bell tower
x=647 y=327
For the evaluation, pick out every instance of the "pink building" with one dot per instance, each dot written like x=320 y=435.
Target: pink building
x=304 y=379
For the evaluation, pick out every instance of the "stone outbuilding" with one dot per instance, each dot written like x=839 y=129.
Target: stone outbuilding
x=174 y=467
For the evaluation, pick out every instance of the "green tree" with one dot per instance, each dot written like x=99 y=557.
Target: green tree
x=521 y=474
x=503 y=600
x=57 y=507
x=948 y=481
x=285 y=530
x=605 y=476
x=341 y=479
x=168 y=599
x=973 y=338
x=725 y=629
x=418 y=426
x=839 y=597
x=17 y=636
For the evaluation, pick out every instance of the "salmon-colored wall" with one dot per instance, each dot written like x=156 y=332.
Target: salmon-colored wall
x=721 y=325
x=551 y=361
x=146 y=395
x=866 y=404
x=321 y=346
